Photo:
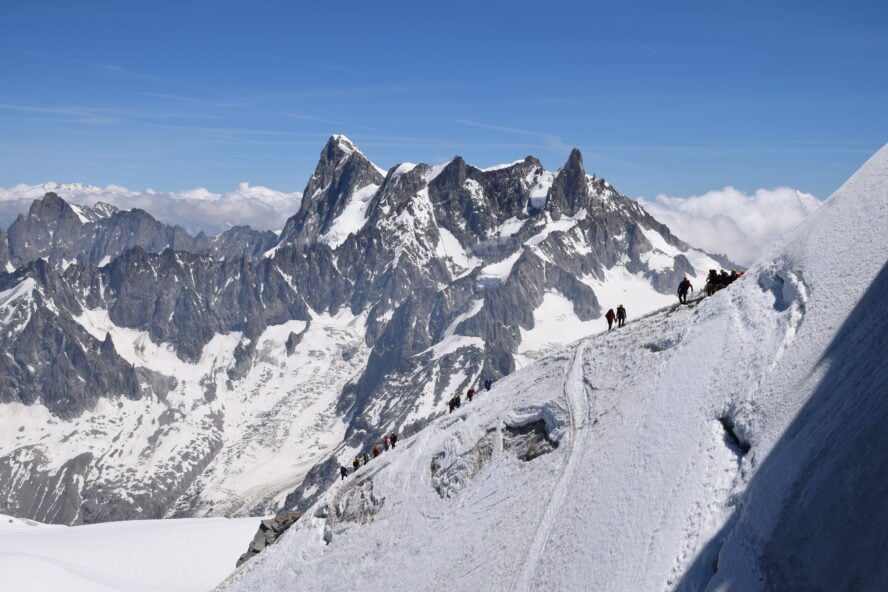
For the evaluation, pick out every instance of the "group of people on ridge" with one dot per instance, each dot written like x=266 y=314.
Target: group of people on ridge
x=715 y=281
x=455 y=402
x=619 y=316
x=388 y=441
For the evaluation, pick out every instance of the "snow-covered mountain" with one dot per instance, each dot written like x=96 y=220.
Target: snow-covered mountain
x=736 y=445
x=63 y=233
x=190 y=383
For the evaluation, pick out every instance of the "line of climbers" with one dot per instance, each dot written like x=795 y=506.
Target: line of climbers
x=715 y=281
x=389 y=440
x=455 y=402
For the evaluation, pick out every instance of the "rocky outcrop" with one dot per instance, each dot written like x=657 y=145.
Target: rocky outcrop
x=269 y=532
x=5 y=265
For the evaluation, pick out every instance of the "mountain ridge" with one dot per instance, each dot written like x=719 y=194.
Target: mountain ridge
x=434 y=279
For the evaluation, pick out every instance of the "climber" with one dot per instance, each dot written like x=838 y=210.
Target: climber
x=343 y=472
x=683 y=288
x=365 y=457
x=451 y=404
x=470 y=394
x=393 y=439
x=621 y=316
x=610 y=316
x=385 y=442
x=376 y=451
x=357 y=462
x=487 y=384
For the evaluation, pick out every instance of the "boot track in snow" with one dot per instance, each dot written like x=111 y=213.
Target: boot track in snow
x=578 y=409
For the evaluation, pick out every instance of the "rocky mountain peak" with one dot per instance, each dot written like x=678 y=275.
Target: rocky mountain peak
x=570 y=190
x=341 y=171
x=338 y=148
x=453 y=173
x=51 y=207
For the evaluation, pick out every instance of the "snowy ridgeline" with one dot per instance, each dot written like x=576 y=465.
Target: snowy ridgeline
x=197 y=383
x=133 y=556
x=738 y=445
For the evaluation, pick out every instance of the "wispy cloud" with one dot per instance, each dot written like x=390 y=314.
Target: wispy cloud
x=352 y=91
x=643 y=46
x=336 y=68
x=113 y=69
x=549 y=141
x=90 y=115
x=324 y=120
x=193 y=100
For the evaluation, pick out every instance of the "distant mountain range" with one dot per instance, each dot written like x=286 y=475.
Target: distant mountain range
x=150 y=373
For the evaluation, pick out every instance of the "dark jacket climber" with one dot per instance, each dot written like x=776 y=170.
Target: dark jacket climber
x=470 y=394
x=343 y=472
x=621 y=316
x=487 y=384
x=610 y=316
x=393 y=439
x=365 y=457
x=683 y=287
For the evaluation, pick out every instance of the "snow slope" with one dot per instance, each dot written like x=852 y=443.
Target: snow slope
x=738 y=445
x=133 y=556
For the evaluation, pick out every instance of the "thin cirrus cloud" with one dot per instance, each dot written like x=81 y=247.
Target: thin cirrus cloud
x=195 y=210
x=731 y=222
x=550 y=141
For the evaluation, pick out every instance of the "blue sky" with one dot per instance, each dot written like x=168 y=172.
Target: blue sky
x=661 y=97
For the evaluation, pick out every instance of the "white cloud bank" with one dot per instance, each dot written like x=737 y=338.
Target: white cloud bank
x=731 y=222
x=195 y=209
x=726 y=221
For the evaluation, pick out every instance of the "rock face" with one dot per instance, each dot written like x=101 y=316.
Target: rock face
x=269 y=532
x=175 y=362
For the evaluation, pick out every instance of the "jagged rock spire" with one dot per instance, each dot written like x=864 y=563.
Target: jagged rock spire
x=570 y=191
x=341 y=170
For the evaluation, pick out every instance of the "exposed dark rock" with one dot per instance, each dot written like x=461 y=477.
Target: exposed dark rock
x=528 y=441
x=269 y=532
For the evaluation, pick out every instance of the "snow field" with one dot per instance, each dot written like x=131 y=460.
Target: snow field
x=134 y=556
